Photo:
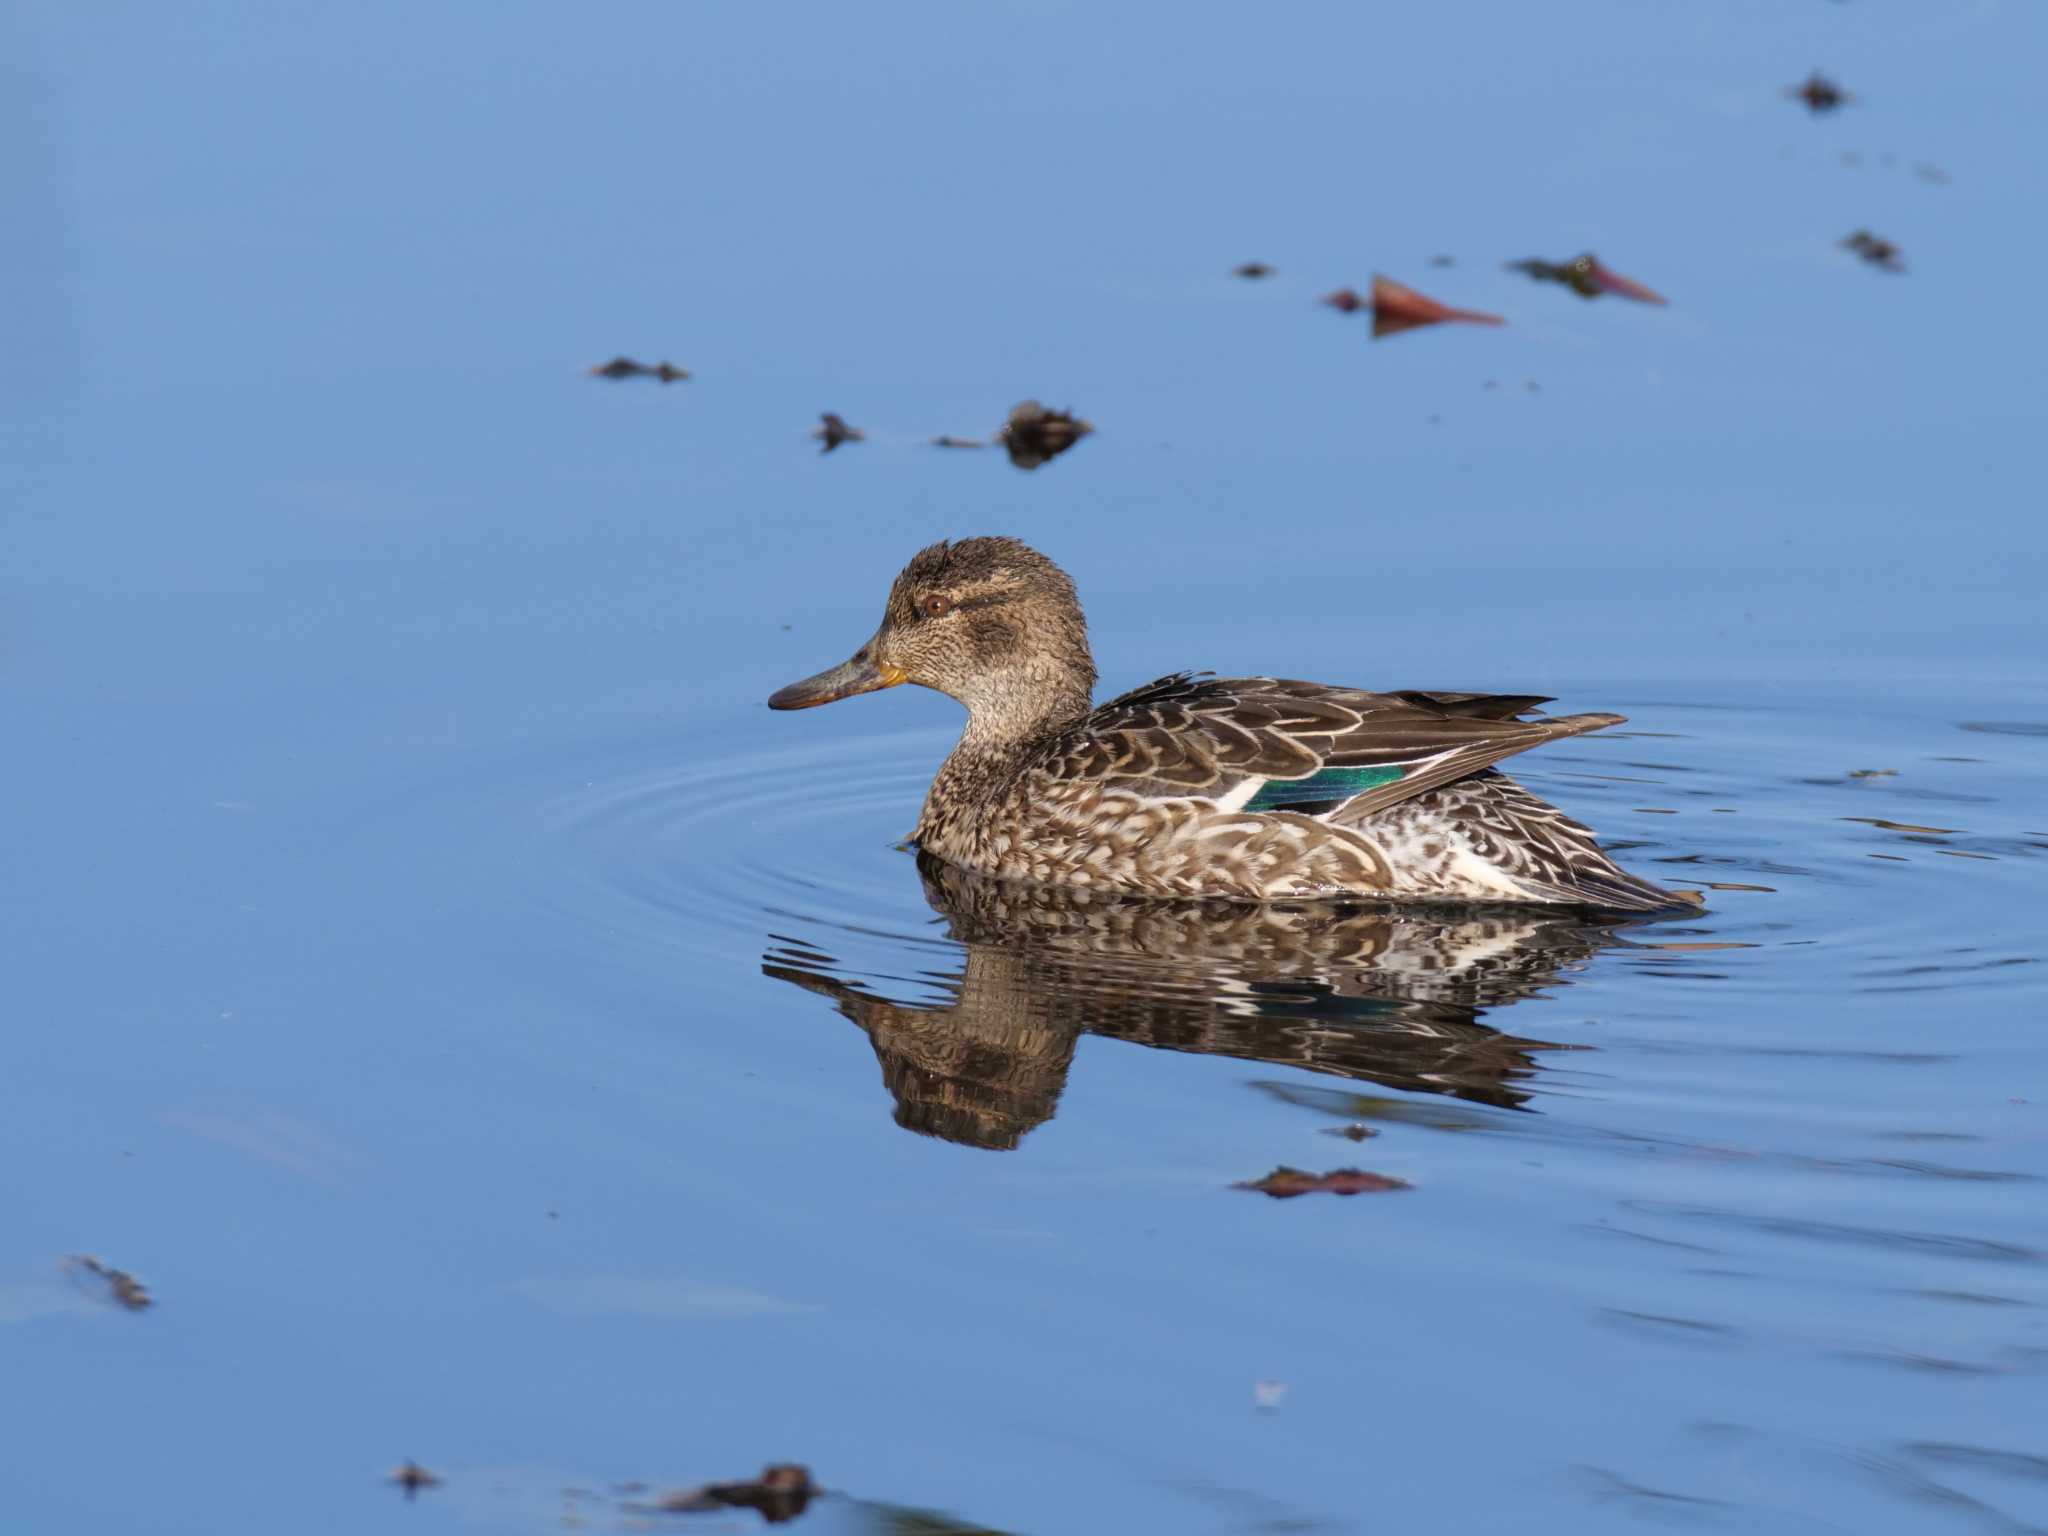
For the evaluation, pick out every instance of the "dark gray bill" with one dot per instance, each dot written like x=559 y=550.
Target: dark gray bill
x=860 y=675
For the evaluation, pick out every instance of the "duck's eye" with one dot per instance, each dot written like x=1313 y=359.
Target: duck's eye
x=936 y=606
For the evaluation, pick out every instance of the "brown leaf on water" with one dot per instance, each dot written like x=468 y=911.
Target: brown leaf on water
x=832 y=430
x=781 y=1493
x=1897 y=826
x=1284 y=1183
x=1034 y=435
x=1586 y=277
x=123 y=1289
x=1819 y=93
x=1397 y=307
x=412 y=1477
x=627 y=368
x=1878 y=252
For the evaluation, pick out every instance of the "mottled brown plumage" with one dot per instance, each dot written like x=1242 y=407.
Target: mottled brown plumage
x=1253 y=787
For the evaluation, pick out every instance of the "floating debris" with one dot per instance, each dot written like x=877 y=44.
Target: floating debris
x=1585 y=276
x=123 y=1289
x=835 y=431
x=1397 y=307
x=627 y=368
x=944 y=440
x=1820 y=94
x=1873 y=773
x=1034 y=435
x=1356 y=1131
x=1268 y=1394
x=1284 y=1183
x=412 y=1477
x=1900 y=826
x=779 y=1494
x=1879 y=253
x=1251 y=269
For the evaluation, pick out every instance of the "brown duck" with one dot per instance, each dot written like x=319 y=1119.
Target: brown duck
x=1255 y=788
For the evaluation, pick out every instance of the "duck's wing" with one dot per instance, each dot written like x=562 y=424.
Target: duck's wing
x=1277 y=744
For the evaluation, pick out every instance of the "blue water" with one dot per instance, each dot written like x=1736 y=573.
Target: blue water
x=495 y=1039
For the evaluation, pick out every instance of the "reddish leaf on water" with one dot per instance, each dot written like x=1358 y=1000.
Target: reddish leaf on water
x=1284 y=1183
x=1397 y=307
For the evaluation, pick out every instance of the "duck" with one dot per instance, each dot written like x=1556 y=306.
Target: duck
x=1255 y=789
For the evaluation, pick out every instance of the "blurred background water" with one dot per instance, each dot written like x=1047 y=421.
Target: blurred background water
x=395 y=839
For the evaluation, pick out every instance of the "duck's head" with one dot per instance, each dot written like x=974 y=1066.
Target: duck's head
x=991 y=622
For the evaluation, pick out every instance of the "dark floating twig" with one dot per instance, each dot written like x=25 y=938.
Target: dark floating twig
x=412 y=1477
x=627 y=368
x=1284 y=1183
x=1879 y=253
x=1820 y=94
x=1585 y=276
x=1252 y=269
x=833 y=431
x=1034 y=435
x=779 y=1494
x=944 y=440
x=123 y=1289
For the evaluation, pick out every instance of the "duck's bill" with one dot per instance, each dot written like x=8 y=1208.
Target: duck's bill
x=841 y=682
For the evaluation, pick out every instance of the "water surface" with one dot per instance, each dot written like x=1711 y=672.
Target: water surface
x=494 y=1039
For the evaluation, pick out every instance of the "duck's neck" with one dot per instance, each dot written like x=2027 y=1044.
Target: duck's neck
x=1008 y=714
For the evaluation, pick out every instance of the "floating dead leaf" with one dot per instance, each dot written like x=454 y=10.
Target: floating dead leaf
x=412 y=1477
x=627 y=368
x=1873 y=773
x=779 y=1494
x=1284 y=1183
x=944 y=440
x=1898 y=826
x=832 y=430
x=1879 y=253
x=123 y=1289
x=1820 y=94
x=1397 y=308
x=1034 y=435
x=1585 y=276
x=1251 y=269
x=1355 y=1131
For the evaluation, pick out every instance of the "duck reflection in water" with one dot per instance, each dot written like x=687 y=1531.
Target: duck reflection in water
x=1391 y=995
